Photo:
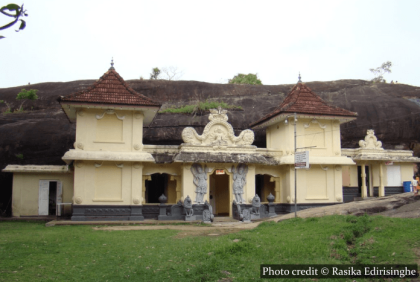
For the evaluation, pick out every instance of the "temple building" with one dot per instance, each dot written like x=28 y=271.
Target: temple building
x=111 y=175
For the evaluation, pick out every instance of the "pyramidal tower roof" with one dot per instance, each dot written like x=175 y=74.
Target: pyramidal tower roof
x=110 y=89
x=303 y=101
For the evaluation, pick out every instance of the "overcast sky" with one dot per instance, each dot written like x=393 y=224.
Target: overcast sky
x=212 y=41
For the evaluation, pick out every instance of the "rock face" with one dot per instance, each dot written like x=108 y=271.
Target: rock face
x=42 y=134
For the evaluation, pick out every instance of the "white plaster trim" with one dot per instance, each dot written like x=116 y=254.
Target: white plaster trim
x=121 y=165
x=289 y=160
x=282 y=117
x=307 y=125
x=107 y=156
x=109 y=142
x=324 y=168
x=214 y=136
x=403 y=156
x=107 y=200
x=37 y=168
x=110 y=112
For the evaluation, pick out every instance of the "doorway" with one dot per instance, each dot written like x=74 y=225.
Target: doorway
x=156 y=187
x=50 y=193
x=264 y=187
x=220 y=198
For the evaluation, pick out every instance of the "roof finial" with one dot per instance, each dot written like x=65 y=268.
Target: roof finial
x=112 y=64
x=300 y=81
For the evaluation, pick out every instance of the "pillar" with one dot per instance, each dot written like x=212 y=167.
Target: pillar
x=364 y=188
x=277 y=195
x=136 y=184
x=381 y=182
x=178 y=186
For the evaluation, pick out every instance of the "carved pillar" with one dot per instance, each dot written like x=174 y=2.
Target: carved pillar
x=178 y=186
x=277 y=189
x=381 y=182
x=145 y=178
x=364 y=188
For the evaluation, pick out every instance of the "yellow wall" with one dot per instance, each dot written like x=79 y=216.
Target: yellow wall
x=109 y=133
x=316 y=185
x=309 y=133
x=26 y=191
x=407 y=171
x=108 y=183
x=351 y=172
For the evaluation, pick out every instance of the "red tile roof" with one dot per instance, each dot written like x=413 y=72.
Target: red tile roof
x=302 y=100
x=111 y=89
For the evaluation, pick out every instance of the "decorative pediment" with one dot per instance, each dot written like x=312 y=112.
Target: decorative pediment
x=218 y=133
x=370 y=142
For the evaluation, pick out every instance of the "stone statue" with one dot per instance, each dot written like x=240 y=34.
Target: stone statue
x=200 y=181
x=239 y=181
x=370 y=142
x=188 y=206
x=218 y=133
x=208 y=215
x=256 y=204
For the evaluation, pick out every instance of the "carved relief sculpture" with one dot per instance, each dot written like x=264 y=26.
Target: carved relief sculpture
x=218 y=133
x=239 y=181
x=370 y=142
x=200 y=181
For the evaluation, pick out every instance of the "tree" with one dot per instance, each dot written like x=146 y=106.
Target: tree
x=155 y=73
x=172 y=73
x=18 y=12
x=380 y=71
x=26 y=95
x=245 y=79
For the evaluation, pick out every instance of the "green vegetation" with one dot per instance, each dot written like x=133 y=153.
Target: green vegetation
x=19 y=156
x=200 y=107
x=33 y=252
x=245 y=79
x=17 y=12
x=26 y=95
x=155 y=73
x=1 y=101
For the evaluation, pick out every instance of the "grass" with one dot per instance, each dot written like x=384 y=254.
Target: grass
x=202 y=106
x=33 y=252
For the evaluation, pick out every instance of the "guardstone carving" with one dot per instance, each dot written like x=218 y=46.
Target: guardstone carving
x=208 y=215
x=256 y=204
x=218 y=133
x=370 y=142
x=239 y=181
x=188 y=207
x=200 y=181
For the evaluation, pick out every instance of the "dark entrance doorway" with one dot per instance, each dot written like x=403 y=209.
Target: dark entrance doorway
x=220 y=197
x=52 y=198
x=156 y=187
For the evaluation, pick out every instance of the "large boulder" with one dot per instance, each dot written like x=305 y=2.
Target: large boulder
x=42 y=134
